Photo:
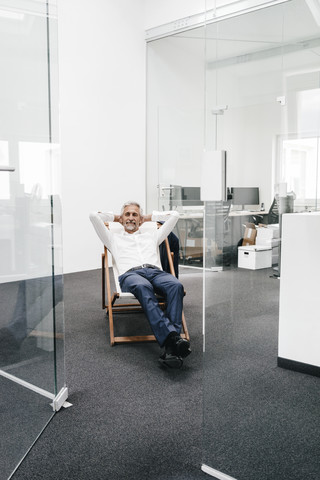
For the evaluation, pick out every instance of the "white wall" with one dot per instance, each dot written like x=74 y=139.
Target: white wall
x=102 y=107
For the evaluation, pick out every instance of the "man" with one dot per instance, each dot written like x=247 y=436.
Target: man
x=140 y=273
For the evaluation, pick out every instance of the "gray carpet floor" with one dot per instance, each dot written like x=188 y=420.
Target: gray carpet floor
x=132 y=419
x=261 y=422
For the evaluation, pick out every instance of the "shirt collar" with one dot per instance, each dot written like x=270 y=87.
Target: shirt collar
x=134 y=233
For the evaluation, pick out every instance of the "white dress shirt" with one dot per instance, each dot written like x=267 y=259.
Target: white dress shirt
x=133 y=249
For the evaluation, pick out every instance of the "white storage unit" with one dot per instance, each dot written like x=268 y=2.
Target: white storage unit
x=254 y=257
x=299 y=316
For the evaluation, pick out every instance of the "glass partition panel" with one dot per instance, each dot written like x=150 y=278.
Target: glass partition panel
x=257 y=415
x=297 y=166
x=179 y=177
x=31 y=285
x=175 y=135
x=261 y=119
x=297 y=161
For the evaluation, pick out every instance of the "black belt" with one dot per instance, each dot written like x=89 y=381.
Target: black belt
x=145 y=265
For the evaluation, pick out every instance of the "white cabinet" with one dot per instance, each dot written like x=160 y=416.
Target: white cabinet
x=299 y=316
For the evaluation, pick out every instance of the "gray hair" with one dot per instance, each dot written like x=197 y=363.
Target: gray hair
x=127 y=204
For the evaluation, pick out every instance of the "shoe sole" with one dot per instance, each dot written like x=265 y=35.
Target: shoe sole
x=172 y=362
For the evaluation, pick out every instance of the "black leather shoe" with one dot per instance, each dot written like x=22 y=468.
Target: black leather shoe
x=182 y=347
x=170 y=361
x=175 y=345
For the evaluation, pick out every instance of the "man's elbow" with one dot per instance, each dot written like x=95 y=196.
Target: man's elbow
x=92 y=215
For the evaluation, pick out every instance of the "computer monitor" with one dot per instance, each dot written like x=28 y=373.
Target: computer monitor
x=184 y=196
x=244 y=196
x=191 y=196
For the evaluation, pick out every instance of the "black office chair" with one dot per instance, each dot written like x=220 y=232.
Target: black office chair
x=273 y=214
x=175 y=249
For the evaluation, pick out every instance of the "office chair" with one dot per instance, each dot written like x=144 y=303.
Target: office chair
x=273 y=214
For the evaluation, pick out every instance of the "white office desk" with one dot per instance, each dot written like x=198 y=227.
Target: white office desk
x=247 y=213
x=233 y=213
x=191 y=215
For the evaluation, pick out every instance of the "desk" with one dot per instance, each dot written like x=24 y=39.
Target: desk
x=247 y=213
x=222 y=235
x=233 y=213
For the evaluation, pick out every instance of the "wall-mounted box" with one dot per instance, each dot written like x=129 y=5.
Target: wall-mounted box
x=213 y=176
x=254 y=257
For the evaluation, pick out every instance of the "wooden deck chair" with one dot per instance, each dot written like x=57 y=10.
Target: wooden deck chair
x=121 y=302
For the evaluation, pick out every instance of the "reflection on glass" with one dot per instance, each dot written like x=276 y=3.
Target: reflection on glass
x=300 y=162
x=39 y=168
x=4 y=178
x=31 y=285
x=264 y=66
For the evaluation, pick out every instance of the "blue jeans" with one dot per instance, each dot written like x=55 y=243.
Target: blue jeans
x=144 y=283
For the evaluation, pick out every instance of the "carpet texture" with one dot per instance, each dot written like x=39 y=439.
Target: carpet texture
x=132 y=419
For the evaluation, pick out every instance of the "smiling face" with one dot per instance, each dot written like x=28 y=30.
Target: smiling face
x=131 y=218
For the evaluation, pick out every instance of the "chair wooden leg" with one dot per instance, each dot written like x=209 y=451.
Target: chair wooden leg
x=106 y=282
x=110 y=314
x=185 y=328
x=103 y=282
x=111 y=324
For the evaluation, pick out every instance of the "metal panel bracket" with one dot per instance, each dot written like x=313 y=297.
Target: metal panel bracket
x=60 y=400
